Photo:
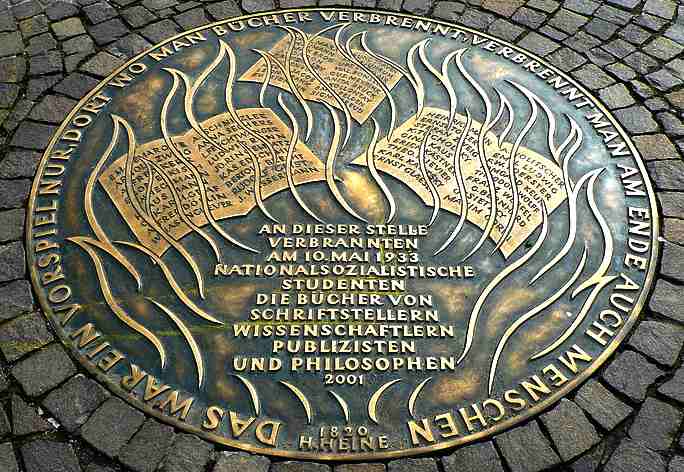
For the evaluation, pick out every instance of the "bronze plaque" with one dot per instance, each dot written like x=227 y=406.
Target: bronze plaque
x=341 y=234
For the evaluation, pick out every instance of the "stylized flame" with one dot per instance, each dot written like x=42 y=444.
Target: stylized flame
x=472 y=323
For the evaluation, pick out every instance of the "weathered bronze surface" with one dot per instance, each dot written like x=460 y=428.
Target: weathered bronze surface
x=338 y=234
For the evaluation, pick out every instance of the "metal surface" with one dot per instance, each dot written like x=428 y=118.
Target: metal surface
x=341 y=234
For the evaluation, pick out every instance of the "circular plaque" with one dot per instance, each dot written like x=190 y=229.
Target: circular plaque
x=341 y=234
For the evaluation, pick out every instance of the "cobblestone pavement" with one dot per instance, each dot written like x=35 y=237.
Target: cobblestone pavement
x=628 y=418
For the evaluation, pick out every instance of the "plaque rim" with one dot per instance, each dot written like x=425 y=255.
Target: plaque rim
x=634 y=315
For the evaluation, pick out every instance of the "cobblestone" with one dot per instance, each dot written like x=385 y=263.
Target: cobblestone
x=593 y=77
x=129 y=46
x=11 y=228
x=111 y=426
x=44 y=370
x=526 y=449
x=229 y=461
x=289 y=466
x=601 y=28
x=655 y=146
x=8 y=461
x=99 y=12
x=570 y=430
x=636 y=119
x=47 y=63
x=73 y=402
x=413 y=465
x=138 y=455
x=12 y=264
x=620 y=375
x=138 y=16
x=538 y=44
x=481 y=457
x=160 y=30
x=22 y=335
x=34 y=26
x=616 y=96
x=102 y=64
x=15 y=297
x=12 y=69
x=188 y=454
x=673 y=231
x=42 y=455
x=566 y=59
x=529 y=17
x=68 y=28
x=505 y=30
x=601 y=405
x=367 y=467
x=672 y=264
x=631 y=456
x=661 y=8
x=59 y=10
x=674 y=388
x=659 y=341
x=108 y=31
x=449 y=11
x=656 y=424
x=26 y=419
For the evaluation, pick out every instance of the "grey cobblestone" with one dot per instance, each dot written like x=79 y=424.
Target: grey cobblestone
x=667 y=300
x=59 y=10
x=111 y=426
x=449 y=11
x=631 y=456
x=22 y=335
x=656 y=424
x=671 y=204
x=12 y=264
x=8 y=461
x=68 y=28
x=671 y=263
x=570 y=430
x=413 y=465
x=25 y=418
x=616 y=96
x=102 y=64
x=76 y=85
x=188 y=454
x=367 y=467
x=659 y=341
x=52 y=108
x=15 y=297
x=673 y=231
x=655 y=146
x=228 y=461
x=32 y=135
x=620 y=375
x=481 y=457
x=674 y=388
x=41 y=456
x=538 y=44
x=288 y=466
x=12 y=69
x=636 y=119
x=43 y=370
x=73 y=402
x=99 y=12
x=138 y=455
x=526 y=449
